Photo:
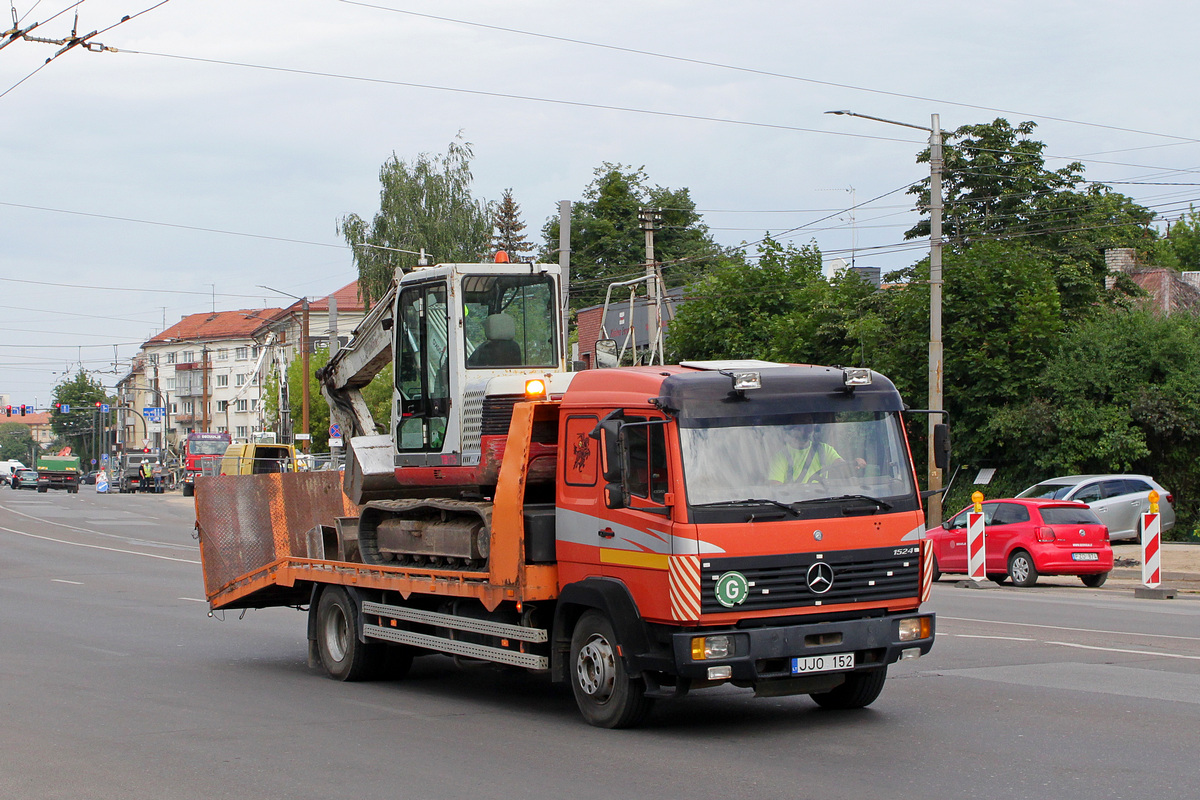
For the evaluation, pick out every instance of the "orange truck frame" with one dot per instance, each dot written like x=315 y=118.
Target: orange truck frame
x=661 y=558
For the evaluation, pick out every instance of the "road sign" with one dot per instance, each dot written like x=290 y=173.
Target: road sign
x=104 y=408
x=154 y=413
x=63 y=408
x=302 y=437
x=335 y=431
x=335 y=441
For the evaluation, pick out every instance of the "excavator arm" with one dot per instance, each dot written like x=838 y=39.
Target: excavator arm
x=351 y=368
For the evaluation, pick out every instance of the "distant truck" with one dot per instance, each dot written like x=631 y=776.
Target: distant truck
x=202 y=454
x=61 y=471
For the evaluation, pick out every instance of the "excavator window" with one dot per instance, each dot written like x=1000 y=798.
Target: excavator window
x=508 y=321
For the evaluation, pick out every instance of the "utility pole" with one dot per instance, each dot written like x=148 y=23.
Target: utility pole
x=936 y=402
x=203 y=389
x=564 y=263
x=650 y=217
x=304 y=361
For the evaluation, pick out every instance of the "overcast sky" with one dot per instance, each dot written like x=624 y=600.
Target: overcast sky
x=217 y=149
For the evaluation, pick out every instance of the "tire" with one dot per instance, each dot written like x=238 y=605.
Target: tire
x=1094 y=581
x=860 y=690
x=1022 y=569
x=343 y=656
x=189 y=489
x=607 y=696
x=42 y=490
x=937 y=573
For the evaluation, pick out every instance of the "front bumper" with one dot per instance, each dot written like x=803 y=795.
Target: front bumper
x=766 y=653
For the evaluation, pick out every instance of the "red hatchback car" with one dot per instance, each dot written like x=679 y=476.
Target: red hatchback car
x=1026 y=538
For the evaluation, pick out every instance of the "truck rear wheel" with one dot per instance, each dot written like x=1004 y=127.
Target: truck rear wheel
x=860 y=690
x=344 y=657
x=607 y=696
x=188 y=489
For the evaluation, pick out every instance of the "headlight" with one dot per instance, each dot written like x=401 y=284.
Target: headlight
x=706 y=647
x=914 y=628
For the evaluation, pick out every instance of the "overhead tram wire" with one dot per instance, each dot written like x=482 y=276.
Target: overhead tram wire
x=766 y=73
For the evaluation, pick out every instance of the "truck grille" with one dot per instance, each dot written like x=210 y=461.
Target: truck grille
x=859 y=576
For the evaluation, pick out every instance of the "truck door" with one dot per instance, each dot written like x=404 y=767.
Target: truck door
x=423 y=368
x=636 y=541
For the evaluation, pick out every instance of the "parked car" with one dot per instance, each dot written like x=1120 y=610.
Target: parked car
x=1118 y=500
x=89 y=477
x=24 y=479
x=1025 y=538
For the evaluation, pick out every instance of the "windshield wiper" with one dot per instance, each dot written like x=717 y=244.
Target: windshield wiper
x=880 y=504
x=750 y=501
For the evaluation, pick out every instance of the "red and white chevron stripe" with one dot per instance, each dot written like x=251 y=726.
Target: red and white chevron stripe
x=926 y=569
x=685 y=587
x=1151 y=550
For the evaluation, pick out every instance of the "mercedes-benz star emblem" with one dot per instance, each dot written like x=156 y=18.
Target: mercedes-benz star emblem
x=820 y=578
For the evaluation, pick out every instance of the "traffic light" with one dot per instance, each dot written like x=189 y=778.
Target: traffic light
x=23 y=409
x=8 y=411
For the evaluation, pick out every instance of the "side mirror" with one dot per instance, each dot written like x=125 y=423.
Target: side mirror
x=614 y=496
x=941 y=445
x=610 y=452
x=606 y=353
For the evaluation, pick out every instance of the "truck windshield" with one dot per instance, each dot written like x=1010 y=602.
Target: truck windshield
x=803 y=459
x=209 y=447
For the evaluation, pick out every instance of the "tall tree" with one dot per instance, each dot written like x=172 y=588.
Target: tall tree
x=996 y=187
x=424 y=204
x=509 y=233
x=81 y=426
x=607 y=240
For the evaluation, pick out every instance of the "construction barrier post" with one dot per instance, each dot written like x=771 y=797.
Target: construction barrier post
x=976 y=548
x=1151 y=544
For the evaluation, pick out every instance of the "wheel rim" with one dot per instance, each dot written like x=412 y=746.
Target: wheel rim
x=596 y=668
x=1020 y=569
x=337 y=631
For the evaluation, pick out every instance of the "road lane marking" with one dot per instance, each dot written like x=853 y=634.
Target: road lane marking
x=60 y=580
x=192 y=599
x=1132 y=652
x=1002 y=638
x=1074 y=630
x=101 y=533
x=99 y=547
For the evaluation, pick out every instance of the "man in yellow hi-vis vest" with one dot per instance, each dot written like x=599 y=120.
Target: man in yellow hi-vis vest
x=803 y=458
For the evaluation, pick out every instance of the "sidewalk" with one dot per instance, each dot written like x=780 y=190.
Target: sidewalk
x=1180 y=566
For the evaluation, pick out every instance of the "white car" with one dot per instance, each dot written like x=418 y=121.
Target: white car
x=1118 y=500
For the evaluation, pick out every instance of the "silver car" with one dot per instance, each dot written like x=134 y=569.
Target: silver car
x=1118 y=500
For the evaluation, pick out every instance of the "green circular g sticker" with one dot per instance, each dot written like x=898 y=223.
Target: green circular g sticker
x=732 y=589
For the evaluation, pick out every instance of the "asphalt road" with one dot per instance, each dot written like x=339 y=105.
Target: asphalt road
x=115 y=683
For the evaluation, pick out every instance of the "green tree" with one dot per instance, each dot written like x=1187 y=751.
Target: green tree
x=424 y=204
x=78 y=427
x=16 y=442
x=738 y=309
x=378 y=395
x=509 y=233
x=1118 y=395
x=996 y=187
x=607 y=240
x=1183 y=243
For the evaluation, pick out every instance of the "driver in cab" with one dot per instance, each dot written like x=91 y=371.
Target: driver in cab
x=804 y=459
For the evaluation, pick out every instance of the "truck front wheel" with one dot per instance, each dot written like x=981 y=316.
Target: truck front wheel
x=188 y=489
x=607 y=696
x=344 y=657
x=860 y=690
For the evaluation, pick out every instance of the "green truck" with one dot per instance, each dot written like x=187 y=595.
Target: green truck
x=58 y=472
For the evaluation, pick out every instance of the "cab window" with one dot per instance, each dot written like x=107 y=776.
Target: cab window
x=645 y=468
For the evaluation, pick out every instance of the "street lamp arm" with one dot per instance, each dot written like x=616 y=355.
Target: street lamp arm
x=880 y=119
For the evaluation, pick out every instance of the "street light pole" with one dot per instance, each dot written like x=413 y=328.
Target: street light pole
x=934 y=516
x=303 y=361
